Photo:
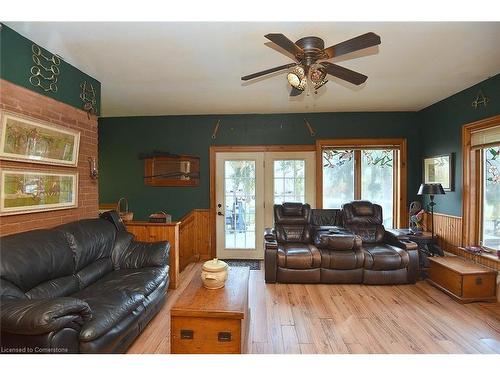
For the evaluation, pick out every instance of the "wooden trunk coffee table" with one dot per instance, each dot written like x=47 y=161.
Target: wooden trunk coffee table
x=463 y=280
x=204 y=321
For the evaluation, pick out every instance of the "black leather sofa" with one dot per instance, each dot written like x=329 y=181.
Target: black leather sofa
x=83 y=287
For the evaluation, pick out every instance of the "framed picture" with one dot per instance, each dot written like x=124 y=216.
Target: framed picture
x=34 y=141
x=440 y=169
x=33 y=191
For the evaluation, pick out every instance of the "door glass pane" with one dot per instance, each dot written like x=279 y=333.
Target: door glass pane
x=377 y=180
x=338 y=177
x=289 y=184
x=491 y=198
x=239 y=194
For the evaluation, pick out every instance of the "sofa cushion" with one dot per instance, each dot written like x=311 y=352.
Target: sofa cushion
x=61 y=287
x=142 y=280
x=383 y=257
x=109 y=306
x=94 y=271
x=298 y=256
x=342 y=260
x=32 y=258
x=89 y=240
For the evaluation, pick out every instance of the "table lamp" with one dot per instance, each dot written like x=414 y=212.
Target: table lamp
x=431 y=190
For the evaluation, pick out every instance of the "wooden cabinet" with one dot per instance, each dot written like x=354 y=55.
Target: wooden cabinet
x=463 y=280
x=152 y=232
x=216 y=321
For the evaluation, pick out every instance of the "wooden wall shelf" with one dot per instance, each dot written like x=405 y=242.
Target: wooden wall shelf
x=178 y=170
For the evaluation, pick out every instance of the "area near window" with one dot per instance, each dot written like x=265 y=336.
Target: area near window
x=368 y=169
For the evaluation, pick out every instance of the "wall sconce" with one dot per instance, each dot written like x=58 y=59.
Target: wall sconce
x=94 y=173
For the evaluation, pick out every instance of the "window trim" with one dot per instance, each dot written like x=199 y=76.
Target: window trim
x=472 y=181
x=400 y=189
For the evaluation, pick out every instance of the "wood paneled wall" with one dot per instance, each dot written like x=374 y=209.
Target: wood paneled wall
x=449 y=231
x=195 y=237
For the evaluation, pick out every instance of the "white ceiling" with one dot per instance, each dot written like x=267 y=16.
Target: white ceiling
x=195 y=68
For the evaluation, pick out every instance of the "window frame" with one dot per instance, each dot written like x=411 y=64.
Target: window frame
x=400 y=213
x=472 y=181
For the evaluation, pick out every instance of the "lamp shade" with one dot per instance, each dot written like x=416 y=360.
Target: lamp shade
x=430 y=189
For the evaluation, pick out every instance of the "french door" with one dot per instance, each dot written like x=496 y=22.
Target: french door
x=247 y=185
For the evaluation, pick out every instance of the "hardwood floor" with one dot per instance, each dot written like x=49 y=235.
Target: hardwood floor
x=296 y=318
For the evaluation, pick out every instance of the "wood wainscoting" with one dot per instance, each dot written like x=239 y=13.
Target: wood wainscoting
x=448 y=228
x=195 y=237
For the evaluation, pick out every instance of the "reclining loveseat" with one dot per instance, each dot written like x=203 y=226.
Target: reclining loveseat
x=336 y=246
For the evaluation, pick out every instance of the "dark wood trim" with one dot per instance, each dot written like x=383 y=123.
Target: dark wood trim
x=357 y=174
x=401 y=217
x=471 y=181
x=240 y=148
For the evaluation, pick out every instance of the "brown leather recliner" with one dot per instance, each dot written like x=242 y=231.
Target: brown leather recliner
x=290 y=255
x=386 y=259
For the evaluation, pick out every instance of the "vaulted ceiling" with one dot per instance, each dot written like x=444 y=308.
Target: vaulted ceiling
x=195 y=68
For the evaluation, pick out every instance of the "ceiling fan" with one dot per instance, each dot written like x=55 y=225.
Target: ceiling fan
x=307 y=72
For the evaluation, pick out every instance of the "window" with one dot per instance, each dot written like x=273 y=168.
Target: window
x=480 y=184
x=289 y=182
x=490 y=234
x=359 y=174
x=239 y=190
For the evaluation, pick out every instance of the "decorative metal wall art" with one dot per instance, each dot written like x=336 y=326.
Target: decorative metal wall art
x=310 y=128
x=480 y=99
x=216 y=129
x=45 y=72
x=88 y=97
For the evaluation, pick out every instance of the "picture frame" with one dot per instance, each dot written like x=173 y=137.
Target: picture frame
x=30 y=140
x=27 y=191
x=440 y=169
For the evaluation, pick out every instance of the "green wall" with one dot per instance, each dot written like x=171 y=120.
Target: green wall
x=121 y=139
x=16 y=60
x=442 y=132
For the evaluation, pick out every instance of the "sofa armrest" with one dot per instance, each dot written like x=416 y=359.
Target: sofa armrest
x=402 y=243
x=269 y=234
x=145 y=254
x=270 y=255
x=34 y=317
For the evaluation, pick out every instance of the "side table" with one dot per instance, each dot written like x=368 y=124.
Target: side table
x=426 y=246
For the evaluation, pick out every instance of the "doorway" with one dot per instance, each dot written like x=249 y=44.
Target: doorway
x=247 y=185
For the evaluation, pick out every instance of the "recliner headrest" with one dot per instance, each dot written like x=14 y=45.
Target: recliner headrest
x=292 y=209
x=363 y=208
x=292 y=213
x=362 y=212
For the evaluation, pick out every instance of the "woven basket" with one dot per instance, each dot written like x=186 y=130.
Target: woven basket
x=124 y=215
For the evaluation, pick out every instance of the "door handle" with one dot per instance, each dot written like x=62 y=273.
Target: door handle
x=220 y=213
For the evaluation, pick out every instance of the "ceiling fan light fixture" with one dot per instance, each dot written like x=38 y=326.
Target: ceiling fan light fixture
x=318 y=85
x=297 y=78
x=317 y=74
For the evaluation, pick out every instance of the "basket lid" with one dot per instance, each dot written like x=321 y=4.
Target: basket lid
x=214 y=265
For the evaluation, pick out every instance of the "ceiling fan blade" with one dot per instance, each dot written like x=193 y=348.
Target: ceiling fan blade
x=285 y=43
x=351 y=45
x=264 y=72
x=295 y=92
x=344 y=73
